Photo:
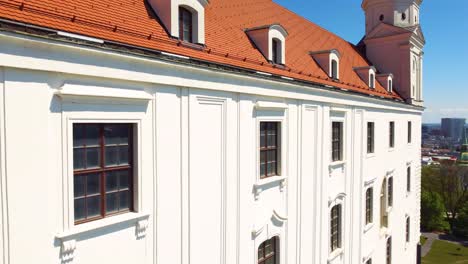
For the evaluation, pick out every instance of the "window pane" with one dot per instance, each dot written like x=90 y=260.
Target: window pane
x=123 y=155
x=93 y=206
x=260 y=252
x=93 y=184
x=262 y=139
x=124 y=179
x=112 y=181
x=78 y=159
x=124 y=200
x=112 y=202
x=112 y=156
x=78 y=136
x=79 y=209
x=268 y=247
x=270 y=261
x=92 y=135
x=79 y=183
x=262 y=170
x=92 y=158
x=116 y=134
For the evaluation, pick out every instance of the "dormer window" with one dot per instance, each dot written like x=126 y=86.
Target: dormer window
x=270 y=40
x=185 y=25
x=334 y=70
x=367 y=74
x=276 y=51
x=386 y=80
x=390 y=86
x=329 y=61
x=372 y=81
x=183 y=19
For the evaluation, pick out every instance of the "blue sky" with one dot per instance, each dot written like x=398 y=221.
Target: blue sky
x=445 y=27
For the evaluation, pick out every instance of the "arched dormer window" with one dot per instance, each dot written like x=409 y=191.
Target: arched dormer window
x=386 y=80
x=183 y=19
x=276 y=51
x=334 y=69
x=390 y=85
x=270 y=40
x=372 y=81
x=185 y=25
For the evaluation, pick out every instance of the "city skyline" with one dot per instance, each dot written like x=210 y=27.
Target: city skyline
x=445 y=95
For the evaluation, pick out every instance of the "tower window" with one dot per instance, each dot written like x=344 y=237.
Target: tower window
x=381 y=18
x=268 y=251
x=335 y=228
x=185 y=25
x=408 y=229
x=403 y=16
x=334 y=70
x=369 y=205
x=389 y=250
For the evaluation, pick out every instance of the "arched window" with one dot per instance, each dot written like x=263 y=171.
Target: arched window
x=403 y=16
x=408 y=229
x=381 y=18
x=185 y=25
x=335 y=227
x=390 y=86
x=372 y=81
x=276 y=51
x=334 y=70
x=383 y=205
x=369 y=205
x=268 y=251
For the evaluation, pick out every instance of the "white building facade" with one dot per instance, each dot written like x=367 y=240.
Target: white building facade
x=127 y=156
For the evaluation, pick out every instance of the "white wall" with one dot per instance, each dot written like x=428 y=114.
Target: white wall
x=197 y=162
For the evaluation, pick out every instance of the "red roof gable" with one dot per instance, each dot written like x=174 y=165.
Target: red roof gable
x=133 y=22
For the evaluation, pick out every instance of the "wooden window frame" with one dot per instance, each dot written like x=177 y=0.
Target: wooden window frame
x=103 y=169
x=369 y=206
x=336 y=214
x=262 y=258
x=337 y=141
x=185 y=16
x=391 y=134
x=370 y=137
x=264 y=129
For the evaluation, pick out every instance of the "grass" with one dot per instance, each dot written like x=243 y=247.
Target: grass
x=446 y=253
x=423 y=240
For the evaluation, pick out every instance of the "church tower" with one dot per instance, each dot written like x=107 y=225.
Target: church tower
x=394 y=42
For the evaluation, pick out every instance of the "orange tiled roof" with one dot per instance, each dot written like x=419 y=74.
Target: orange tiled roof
x=133 y=22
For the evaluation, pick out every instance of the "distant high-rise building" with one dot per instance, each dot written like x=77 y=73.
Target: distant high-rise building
x=453 y=127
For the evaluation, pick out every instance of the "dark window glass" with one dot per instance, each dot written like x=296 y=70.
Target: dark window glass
x=408 y=229
x=270 y=147
x=372 y=81
x=403 y=16
x=410 y=132
x=392 y=134
x=408 y=179
x=276 y=51
x=268 y=251
x=337 y=141
x=370 y=137
x=389 y=250
x=381 y=18
x=102 y=165
x=335 y=227
x=369 y=261
x=334 y=69
x=390 y=85
x=390 y=191
x=369 y=205
x=185 y=25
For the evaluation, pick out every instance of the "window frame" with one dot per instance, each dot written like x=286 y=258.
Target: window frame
x=276 y=51
x=369 y=208
x=336 y=234
x=277 y=149
x=391 y=135
x=276 y=250
x=103 y=169
x=339 y=142
x=183 y=13
x=370 y=137
x=334 y=69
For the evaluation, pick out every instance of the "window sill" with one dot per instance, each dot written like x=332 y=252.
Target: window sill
x=263 y=184
x=191 y=45
x=338 y=252
x=132 y=218
x=370 y=155
x=368 y=227
x=337 y=163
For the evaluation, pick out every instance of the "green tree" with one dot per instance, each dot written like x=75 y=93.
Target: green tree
x=432 y=212
x=461 y=223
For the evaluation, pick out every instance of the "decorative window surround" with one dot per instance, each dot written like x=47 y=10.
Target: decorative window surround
x=76 y=91
x=365 y=73
x=168 y=13
x=267 y=105
x=263 y=37
x=335 y=254
x=256 y=231
x=370 y=182
x=324 y=59
x=69 y=238
x=266 y=183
